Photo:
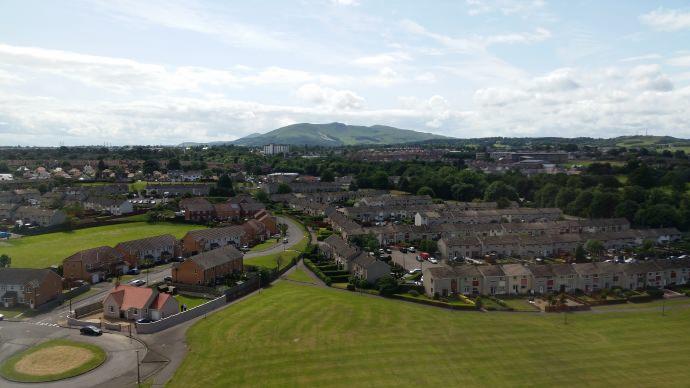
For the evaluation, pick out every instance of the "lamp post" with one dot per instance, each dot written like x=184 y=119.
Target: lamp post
x=138 y=373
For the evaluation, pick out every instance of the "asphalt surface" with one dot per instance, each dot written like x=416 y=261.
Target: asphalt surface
x=409 y=261
x=119 y=368
x=294 y=235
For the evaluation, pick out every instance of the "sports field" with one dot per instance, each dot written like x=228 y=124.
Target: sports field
x=300 y=335
x=47 y=249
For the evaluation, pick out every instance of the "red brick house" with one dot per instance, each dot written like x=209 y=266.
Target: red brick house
x=28 y=286
x=197 y=209
x=206 y=267
x=95 y=264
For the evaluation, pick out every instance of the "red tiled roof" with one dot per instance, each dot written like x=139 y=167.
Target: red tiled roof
x=131 y=296
x=160 y=301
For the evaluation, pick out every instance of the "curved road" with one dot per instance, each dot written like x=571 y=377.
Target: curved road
x=294 y=235
x=119 y=368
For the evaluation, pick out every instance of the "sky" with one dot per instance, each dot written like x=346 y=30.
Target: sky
x=165 y=71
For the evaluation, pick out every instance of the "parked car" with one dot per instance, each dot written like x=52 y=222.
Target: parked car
x=388 y=250
x=285 y=240
x=133 y=271
x=90 y=330
x=411 y=250
x=168 y=279
x=138 y=282
x=2 y=317
x=433 y=260
x=403 y=250
x=414 y=271
x=178 y=259
x=144 y=320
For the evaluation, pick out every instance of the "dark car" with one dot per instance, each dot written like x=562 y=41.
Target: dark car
x=144 y=320
x=167 y=279
x=133 y=271
x=91 y=330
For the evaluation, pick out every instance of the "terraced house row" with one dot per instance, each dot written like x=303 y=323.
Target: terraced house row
x=519 y=279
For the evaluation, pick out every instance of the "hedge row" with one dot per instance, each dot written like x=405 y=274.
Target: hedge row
x=317 y=272
x=334 y=273
x=340 y=278
x=433 y=302
x=329 y=267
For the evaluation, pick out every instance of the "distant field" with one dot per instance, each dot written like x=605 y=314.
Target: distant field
x=298 y=335
x=47 y=249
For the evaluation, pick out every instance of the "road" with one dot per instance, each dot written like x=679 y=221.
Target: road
x=59 y=314
x=119 y=369
x=409 y=261
x=294 y=235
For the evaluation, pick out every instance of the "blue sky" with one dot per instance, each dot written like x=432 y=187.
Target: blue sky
x=163 y=72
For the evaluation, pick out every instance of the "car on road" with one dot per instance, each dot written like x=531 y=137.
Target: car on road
x=388 y=250
x=433 y=260
x=2 y=317
x=91 y=330
x=411 y=250
x=285 y=240
x=403 y=250
x=414 y=271
x=138 y=282
x=167 y=279
x=133 y=271
x=144 y=320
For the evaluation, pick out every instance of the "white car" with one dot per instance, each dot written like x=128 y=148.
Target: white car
x=433 y=260
x=414 y=271
x=411 y=249
x=138 y=282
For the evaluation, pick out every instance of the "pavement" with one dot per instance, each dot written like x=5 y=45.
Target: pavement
x=118 y=370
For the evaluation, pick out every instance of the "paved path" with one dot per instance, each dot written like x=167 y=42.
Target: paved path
x=118 y=370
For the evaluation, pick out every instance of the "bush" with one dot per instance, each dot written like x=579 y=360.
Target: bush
x=350 y=287
x=317 y=272
x=387 y=285
x=655 y=292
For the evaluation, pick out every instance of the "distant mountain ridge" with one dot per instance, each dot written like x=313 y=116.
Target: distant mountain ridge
x=332 y=135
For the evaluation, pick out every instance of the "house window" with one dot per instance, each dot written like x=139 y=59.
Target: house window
x=136 y=312
x=111 y=308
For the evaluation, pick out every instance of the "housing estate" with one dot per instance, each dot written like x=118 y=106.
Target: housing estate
x=132 y=303
x=28 y=287
x=207 y=267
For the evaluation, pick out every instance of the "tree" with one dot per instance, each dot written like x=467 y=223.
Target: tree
x=594 y=247
x=150 y=166
x=426 y=190
x=627 y=209
x=327 y=175
x=261 y=196
x=5 y=261
x=174 y=164
x=387 y=285
x=427 y=246
x=603 y=204
x=500 y=189
x=284 y=188
x=656 y=216
x=579 y=253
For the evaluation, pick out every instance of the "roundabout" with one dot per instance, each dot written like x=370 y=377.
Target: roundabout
x=52 y=360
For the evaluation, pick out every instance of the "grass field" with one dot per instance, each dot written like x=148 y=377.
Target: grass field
x=270 y=243
x=47 y=249
x=297 y=335
x=270 y=261
x=300 y=276
x=190 y=301
x=52 y=360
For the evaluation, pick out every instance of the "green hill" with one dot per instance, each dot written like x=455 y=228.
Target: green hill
x=336 y=134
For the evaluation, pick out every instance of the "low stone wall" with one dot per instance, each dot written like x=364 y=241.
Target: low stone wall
x=77 y=322
x=112 y=326
x=184 y=316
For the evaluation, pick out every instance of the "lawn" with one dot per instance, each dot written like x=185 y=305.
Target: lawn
x=270 y=243
x=190 y=301
x=52 y=360
x=520 y=304
x=300 y=276
x=44 y=250
x=270 y=261
x=296 y=335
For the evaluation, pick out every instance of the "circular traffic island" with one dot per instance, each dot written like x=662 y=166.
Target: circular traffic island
x=52 y=360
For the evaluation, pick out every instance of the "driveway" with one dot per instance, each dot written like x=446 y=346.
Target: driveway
x=119 y=368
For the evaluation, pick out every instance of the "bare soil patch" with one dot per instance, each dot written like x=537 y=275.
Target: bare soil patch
x=53 y=360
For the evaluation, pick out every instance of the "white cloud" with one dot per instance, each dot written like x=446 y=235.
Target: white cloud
x=346 y=2
x=385 y=59
x=650 y=77
x=192 y=16
x=641 y=58
x=506 y=7
x=681 y=61
x=330 y=98
x=667 y=19
x=556 y=81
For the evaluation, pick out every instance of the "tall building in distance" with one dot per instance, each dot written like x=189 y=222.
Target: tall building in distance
x=275 y=149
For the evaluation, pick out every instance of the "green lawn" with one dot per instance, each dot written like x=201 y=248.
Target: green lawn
x=190 y=301
x=519 y=304
x=47 y=249
x=296 y=335
x=8 y=370
x=300 y=276
x=270 y=243
x=270 y=261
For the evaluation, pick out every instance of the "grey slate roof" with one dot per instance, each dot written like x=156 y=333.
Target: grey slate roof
x=216 y=257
